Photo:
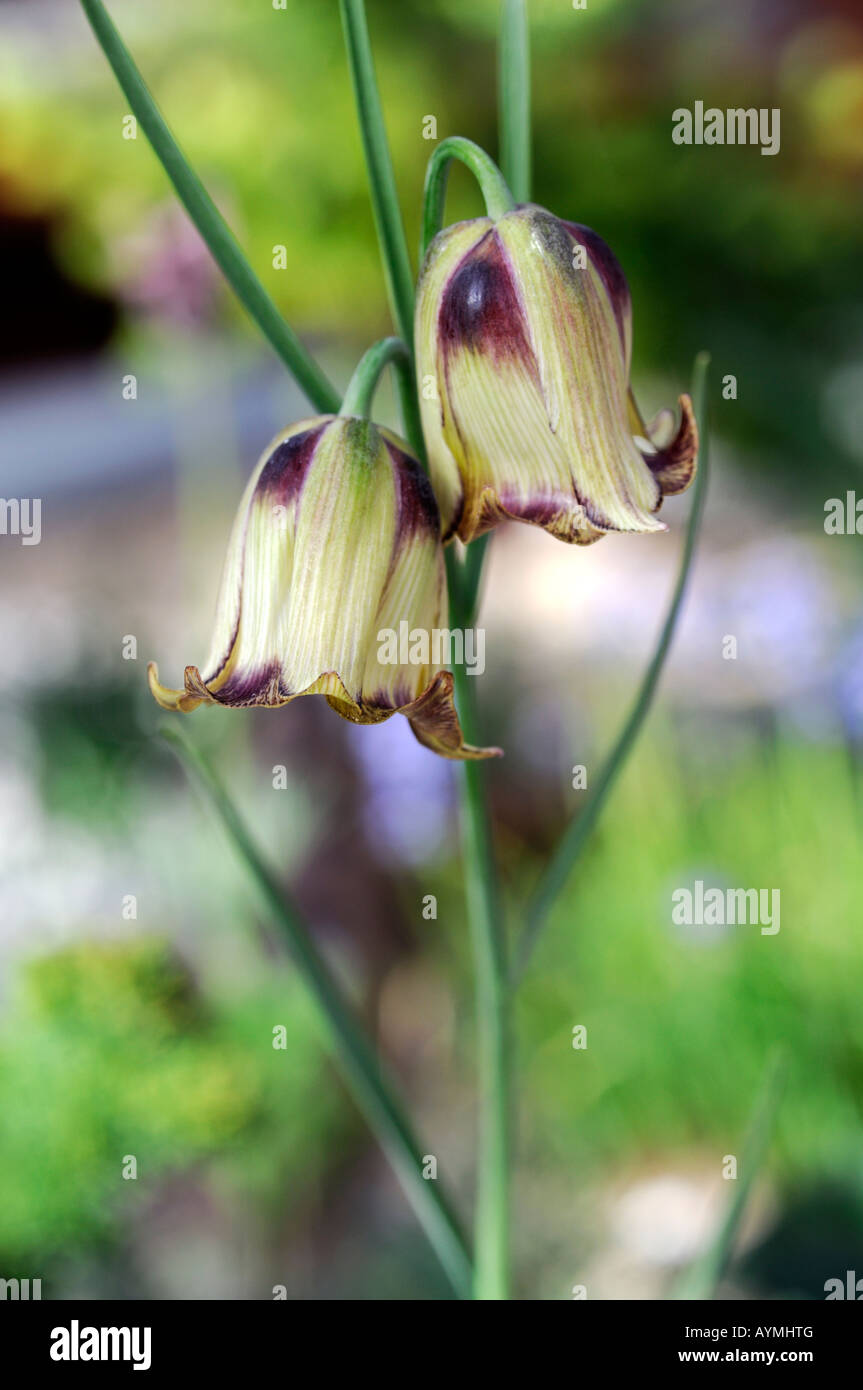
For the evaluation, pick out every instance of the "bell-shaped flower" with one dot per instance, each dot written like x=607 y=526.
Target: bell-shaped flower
x=523 y=342
x=334 y=585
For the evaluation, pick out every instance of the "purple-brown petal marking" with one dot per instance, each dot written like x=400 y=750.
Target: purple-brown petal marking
x=284 y=473
x=480 y=308
x=610 y=272
x=417 y=509
x=255 y=687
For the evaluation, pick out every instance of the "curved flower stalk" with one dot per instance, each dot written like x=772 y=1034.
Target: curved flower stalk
x=523 y=342
x=336 y=547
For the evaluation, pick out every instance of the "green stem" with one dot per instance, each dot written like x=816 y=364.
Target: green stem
x=474 y=559
x=514 y=123
x=491 y=1231
x=221 y=241
x=410 y=410
x=513 y=94
x=367 y=373
x=385 y=202
x=371 y=1088
x=578 y=832
x=493 y=186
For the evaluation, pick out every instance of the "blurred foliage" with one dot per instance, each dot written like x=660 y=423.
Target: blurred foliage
x=110 y=1051
x=87 y=740
x=818 y=1236
x=682 y=1020
x=667 y=1008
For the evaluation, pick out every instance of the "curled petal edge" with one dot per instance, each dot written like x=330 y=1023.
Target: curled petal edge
x=568 y=520
x=674 y=457
x=432 y=716
x=193 y=694
x=435 y=722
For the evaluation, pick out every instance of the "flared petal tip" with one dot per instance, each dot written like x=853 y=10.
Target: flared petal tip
x=435 y=722
x=674 y=462
x=193 y=694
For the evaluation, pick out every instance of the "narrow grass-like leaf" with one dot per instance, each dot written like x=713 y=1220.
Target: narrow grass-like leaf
x=382 y=184
x=354 y=1054
x=577 y=834
x=218 y=236
x=702 y=1279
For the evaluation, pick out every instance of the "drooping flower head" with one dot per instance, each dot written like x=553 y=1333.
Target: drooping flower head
x=523 y=342
x=337 y=539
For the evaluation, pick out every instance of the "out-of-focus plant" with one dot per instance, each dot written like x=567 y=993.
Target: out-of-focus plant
x=111 y=1051
x=578 y=314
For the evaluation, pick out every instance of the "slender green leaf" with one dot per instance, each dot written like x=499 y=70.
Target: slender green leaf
x=578 y=832
x=221 y=241
x=385 y=201
x=367 y=1081
x=702 y=1279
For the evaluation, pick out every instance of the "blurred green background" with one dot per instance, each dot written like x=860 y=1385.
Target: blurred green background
x=145 y=1028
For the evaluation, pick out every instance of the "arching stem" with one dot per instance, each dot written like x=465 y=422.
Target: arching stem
x=368 y=372
x=493 y=186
